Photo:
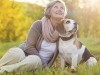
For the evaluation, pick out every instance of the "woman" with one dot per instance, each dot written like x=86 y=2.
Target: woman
x=40 y=49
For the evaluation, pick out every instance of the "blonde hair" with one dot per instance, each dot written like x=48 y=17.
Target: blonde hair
x=50 y=5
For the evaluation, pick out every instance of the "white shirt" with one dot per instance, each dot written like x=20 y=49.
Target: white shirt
x=47 y=50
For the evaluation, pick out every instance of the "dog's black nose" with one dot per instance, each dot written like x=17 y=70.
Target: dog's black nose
x=75 y=24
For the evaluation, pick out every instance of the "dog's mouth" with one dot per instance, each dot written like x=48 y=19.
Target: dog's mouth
x=63 y=32
x=67 y=34
x=71 y=32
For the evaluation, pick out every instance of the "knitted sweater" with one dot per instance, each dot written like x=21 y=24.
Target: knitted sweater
x=34 y=40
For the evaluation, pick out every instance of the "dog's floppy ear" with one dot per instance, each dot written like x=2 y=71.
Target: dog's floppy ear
x=60 y=28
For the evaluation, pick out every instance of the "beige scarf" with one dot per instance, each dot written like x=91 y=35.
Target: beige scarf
x=49 y=34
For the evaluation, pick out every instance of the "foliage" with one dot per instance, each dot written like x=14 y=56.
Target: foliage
x=16 y=19
x=86 y=13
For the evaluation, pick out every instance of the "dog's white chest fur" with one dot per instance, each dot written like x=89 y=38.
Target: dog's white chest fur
x=69 y=51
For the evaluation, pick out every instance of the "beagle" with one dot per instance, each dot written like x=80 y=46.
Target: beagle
x=72 y=51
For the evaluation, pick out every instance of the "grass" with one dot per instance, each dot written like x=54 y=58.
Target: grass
x=91 y=44
x=5 y=46
x=82 y=70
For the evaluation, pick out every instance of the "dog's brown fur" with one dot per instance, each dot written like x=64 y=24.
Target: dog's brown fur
x=77 y=43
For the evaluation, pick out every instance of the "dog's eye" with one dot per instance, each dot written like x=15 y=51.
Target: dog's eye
x=68 y=22
x=70 y=31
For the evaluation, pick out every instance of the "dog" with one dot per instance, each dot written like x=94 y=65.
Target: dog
x=72 y=51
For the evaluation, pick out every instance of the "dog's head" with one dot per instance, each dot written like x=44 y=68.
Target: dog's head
x=67 y=28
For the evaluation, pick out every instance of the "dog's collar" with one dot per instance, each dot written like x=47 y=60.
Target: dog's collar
x=67 y=38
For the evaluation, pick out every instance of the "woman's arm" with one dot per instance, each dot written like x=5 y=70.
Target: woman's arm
x=32 y=38
x=34 y=34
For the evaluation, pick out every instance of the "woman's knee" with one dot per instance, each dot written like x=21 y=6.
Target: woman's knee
x=17 y=53
x=33 y=60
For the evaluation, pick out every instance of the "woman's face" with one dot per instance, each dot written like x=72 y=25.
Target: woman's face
x=57 y=11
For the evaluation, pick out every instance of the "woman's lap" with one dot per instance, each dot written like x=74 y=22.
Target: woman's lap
x=15 y=59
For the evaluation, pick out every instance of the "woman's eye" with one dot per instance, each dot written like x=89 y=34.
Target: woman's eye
x=55 y=7
x=62 y=8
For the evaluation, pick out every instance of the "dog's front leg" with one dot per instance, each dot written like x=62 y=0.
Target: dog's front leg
x=62 y=62
x=74 y=61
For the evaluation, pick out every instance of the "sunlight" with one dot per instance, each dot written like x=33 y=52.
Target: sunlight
x=39 y=2
x=92 y=3
x=81 y=4
x=87 y=3
x=32 y=1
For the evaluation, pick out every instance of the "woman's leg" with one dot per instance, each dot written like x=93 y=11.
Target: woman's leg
x=31 y=62
x=13 y=55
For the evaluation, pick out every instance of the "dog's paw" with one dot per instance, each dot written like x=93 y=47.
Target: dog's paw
x=71 y=70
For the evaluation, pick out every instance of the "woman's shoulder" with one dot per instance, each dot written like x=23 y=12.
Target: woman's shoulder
x=37 y=25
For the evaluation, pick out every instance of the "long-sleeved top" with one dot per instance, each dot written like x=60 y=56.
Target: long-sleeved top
x=34 y=40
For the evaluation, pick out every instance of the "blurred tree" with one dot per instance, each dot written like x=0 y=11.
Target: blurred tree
x=16 y=18
x=87 y=16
